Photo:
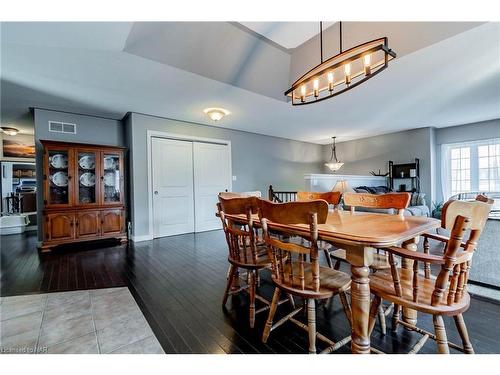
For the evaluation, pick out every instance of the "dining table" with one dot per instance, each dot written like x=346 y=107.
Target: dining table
x=360 y=234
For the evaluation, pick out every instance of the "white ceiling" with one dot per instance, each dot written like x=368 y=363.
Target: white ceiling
x=454 y=81
x=287 y=34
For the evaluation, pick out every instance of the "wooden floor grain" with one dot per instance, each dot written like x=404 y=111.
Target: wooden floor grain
x=178 y=283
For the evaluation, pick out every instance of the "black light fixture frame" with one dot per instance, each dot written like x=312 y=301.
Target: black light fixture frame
x=305 y=78
x=334 y=151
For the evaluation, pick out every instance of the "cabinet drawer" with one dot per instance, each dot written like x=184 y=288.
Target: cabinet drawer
x=112 y=221
x=88 y=224
x=59 y=226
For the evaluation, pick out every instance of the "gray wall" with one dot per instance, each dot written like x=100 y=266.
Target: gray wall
x=364 y=155
x=89 y=129
x=462 y=133
x=257 y=160
x=468 y=132
x=371 y=154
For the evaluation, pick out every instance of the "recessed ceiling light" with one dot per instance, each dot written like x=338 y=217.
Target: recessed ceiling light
x=9 y=131
x=216 y=114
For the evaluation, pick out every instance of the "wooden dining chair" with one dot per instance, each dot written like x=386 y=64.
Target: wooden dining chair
x=391 y=201
x=295 y=268
x=444 y=295
x=473 y=236
x=244 y=250
x=331 y=197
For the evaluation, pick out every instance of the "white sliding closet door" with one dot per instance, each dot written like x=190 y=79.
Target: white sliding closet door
x=212 y=174
x=173 y=208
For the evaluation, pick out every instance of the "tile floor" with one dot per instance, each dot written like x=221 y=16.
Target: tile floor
x=80 y=322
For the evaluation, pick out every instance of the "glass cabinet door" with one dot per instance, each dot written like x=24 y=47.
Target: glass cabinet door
x=112 y=178
x=59 y=177
x=86 y=163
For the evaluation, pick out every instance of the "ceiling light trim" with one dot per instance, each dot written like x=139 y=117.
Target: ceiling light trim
x=9 y=130
x=216 y=114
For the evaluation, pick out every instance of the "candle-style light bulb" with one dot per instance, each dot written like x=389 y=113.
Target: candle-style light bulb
x=330 y=81
x=347 y=72
x=367 y=62
x=316 y=87
x=303 y=93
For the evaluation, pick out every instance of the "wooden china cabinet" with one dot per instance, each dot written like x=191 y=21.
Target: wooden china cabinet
x=83 y=193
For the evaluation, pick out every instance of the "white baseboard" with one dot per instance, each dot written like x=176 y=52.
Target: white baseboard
x=146 y=237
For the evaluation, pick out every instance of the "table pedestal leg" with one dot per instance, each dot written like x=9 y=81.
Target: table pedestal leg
x=360 y=259
x=409 y=315
x=360 y=305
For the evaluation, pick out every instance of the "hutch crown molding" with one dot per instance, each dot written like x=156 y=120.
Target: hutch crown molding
x=83 y=193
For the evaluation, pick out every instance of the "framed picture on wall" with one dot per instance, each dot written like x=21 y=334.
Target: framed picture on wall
x=19 y=146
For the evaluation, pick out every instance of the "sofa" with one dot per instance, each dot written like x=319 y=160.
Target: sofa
x=417 y=207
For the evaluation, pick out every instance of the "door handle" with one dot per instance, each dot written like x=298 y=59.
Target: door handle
x=156 y=192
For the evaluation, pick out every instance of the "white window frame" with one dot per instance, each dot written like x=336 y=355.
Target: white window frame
x=446 y=166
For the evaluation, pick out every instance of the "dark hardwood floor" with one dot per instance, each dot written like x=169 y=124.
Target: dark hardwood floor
x=178 y=284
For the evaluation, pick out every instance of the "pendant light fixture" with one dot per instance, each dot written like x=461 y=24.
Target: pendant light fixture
x=334 y=164
x=341 y=72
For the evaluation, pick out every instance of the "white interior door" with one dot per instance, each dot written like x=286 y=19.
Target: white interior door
x=212 y=174
x=173 y=210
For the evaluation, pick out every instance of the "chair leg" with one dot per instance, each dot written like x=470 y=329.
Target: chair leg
x=270 y=317
x=328 y=258
x=347 y=306
x=252 y=298
x=395 y=317
x=381 y=319
x=440 y=331
x=311 y=325
x=292 y=302
x=427 y=266
x=230 y=277
x=464 y=335
x=373 y=313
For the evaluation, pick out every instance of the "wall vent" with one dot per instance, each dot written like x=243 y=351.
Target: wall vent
x=62 y=127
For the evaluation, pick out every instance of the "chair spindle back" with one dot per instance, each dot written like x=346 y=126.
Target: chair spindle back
x=477 y=213
x=240 y=234
x=460 y=216
x=294 y=266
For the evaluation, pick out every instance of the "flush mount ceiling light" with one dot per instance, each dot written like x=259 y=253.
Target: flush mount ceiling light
x=9 y=131
x=341 y=72
x=334 y=164
x=216 y=114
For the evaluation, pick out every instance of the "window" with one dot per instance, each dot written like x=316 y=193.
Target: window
x=471 y=167
x=460 y=170
x=489 y=167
